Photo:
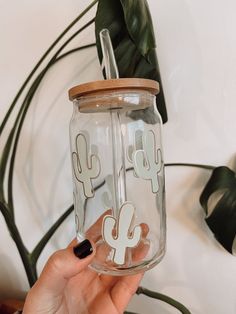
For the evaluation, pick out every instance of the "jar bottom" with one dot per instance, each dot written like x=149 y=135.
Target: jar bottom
x=107 y=267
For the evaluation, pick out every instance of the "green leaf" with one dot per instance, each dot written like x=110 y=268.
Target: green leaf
x=222 y=220
x=130 y=25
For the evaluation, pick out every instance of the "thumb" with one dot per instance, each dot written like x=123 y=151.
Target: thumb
x=63 y=265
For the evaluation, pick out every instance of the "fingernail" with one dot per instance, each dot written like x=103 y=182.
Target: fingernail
x=83 y=249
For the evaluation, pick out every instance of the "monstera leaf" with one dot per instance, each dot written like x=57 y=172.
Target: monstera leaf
x=130 y=25
x=222 y=219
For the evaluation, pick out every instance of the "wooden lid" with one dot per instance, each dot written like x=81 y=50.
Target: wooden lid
x=114 y=85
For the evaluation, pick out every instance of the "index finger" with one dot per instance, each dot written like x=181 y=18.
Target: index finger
x=94 y=232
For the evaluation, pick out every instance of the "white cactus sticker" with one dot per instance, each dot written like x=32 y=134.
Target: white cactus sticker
x=123 y=237
x=85 y=168
x=148 y=161
x=108 y=195
x=138 y=145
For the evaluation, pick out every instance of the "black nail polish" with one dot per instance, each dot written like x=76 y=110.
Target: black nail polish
x=83 y=249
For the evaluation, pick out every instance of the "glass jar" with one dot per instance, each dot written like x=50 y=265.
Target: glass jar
x=118 y=173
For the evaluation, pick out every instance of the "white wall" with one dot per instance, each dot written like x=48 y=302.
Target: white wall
x=197 y=55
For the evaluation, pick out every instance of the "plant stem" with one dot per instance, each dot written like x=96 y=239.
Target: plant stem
x=42 y=243
x=24 y=254
x=40 y=62
x=207 y=167
x=28 y=261
x=14 y=137
x=3 y=163
x=164 y=298
x=23 y=111
x=35 y=254
x=74 y=50
x=33 y=257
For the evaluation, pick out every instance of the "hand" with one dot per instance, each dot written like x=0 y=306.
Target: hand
x=67 y=286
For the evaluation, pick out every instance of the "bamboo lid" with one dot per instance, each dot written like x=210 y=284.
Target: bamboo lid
x=114 y=85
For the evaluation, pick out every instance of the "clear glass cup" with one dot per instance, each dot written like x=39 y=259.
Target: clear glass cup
x=118 y=173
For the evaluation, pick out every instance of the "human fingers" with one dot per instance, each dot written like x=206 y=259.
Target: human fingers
x=67 y=263
x=142 y=249
x=94 y=232
x=124 y=289
x=138 y=253
x=61 y=266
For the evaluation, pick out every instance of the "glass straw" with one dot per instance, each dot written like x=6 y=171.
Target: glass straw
x=119 y=173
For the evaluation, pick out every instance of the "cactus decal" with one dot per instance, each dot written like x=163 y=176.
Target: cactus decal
x=85 y=167
x=138 y=145
x=108 y=195
x=148 y=161
x=124 y=237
